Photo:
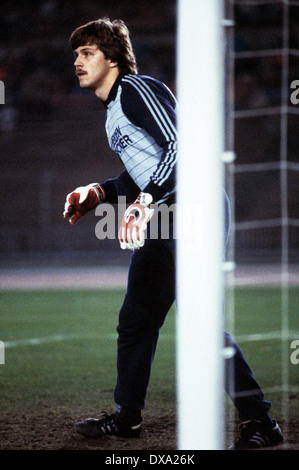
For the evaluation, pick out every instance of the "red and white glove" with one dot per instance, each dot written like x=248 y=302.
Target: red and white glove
x=133 y=226
x=82 y=200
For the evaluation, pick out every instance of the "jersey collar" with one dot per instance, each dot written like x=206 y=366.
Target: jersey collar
x=113 y=91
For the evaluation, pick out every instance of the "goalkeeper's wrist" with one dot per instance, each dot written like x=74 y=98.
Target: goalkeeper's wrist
x=100 y=192
x=145 y=199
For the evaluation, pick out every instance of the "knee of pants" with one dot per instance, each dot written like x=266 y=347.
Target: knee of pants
x=138 y=321
x=228 y=340
x=231 y=344
x=133 y=321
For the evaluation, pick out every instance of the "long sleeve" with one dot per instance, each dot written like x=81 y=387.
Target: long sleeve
x=149 y=105
x=123 y=185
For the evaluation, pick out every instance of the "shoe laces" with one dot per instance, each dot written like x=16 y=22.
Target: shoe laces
x=248 y=426
x=109 y=422
x=253 y=431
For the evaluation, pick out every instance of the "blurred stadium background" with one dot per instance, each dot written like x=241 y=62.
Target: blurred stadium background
x=52 y=136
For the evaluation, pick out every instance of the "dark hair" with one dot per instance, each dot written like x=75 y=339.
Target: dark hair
x=112 y=38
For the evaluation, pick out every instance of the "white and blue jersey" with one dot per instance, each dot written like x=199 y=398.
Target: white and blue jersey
x=141 y=130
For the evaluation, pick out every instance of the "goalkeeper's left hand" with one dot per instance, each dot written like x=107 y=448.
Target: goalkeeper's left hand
x=132 y=230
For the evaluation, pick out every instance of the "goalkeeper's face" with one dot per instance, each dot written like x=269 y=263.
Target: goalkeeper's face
x=92 y=68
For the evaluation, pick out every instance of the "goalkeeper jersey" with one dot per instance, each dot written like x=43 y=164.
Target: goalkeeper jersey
x=141 y=130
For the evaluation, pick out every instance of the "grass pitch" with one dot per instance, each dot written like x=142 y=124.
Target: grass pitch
x=60 y=351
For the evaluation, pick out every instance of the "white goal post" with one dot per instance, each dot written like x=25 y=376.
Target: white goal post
x=200 y=224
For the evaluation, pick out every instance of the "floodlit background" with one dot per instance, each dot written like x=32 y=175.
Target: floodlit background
x=53 y=139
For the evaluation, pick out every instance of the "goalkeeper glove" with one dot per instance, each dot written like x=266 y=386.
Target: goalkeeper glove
x=82 y=200
x=133 y=226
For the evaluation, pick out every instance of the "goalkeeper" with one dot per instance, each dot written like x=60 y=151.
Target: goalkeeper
x=141 y=130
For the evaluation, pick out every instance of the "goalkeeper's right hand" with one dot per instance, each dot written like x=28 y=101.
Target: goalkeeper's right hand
x=82 y=200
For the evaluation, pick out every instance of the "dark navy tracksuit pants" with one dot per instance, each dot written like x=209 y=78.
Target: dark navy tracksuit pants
x=150 y=294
